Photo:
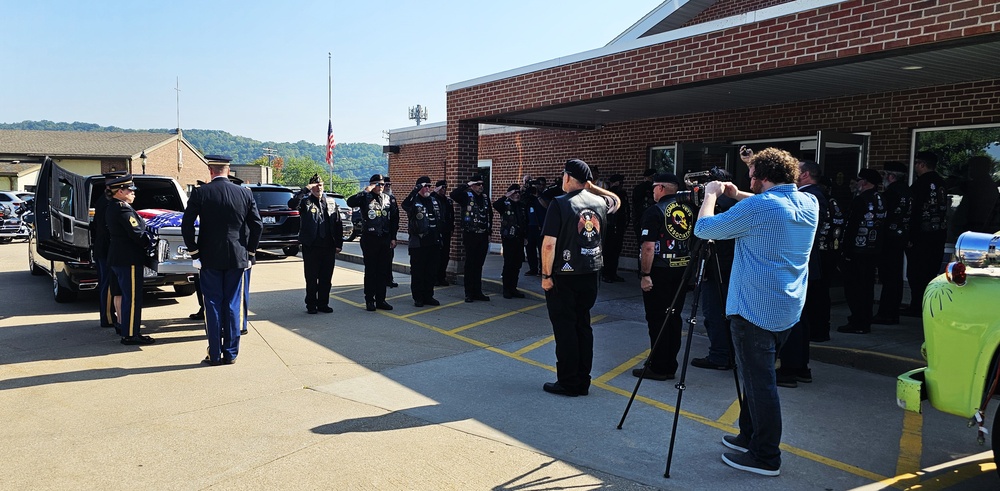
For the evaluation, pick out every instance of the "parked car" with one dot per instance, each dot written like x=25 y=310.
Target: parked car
x=961 y=339
x=336 y=201
x=59 y=238
x=281 y=223
x=12 y=199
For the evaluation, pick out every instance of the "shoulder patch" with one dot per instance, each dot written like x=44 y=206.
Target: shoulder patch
x=132 y=221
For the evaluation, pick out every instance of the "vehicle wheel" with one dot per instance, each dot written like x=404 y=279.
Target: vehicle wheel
x=59 y=292
x=5 y=240
x=185 y=290
x=290 y=250
x=35 y=269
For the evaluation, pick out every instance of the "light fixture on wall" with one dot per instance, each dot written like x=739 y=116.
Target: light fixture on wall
x=143 y=157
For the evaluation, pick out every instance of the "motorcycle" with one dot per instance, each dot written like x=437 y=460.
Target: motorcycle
x=12 y=224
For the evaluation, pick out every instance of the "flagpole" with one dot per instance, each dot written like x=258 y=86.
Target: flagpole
x=329 y=89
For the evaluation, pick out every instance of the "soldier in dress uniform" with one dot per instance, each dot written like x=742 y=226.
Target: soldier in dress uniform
x=380 y=222
x=126 y=255
x=513 y=226
x=321 y=235
x=424 y=219
x=863 y=237
x=225 y=247
x=928 y=229
x=477 y=225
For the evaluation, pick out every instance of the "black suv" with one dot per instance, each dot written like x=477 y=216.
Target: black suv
x=281 y=223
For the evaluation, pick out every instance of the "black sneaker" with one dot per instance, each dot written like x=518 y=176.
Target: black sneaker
x=786 y=381
x=744 y=462
x=432 y=301
x=706 y=363
x=326 y=309
x=137 y=340
x=805 y=376
x=383 y=305
x=735 y=442
x=651 y=375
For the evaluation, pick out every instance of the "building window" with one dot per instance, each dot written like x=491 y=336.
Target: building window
x=663 y=159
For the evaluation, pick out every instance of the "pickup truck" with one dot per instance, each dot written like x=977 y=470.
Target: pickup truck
x=60 y=234
x=961 y=321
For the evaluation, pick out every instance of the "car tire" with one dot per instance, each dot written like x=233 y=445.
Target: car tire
x=33 y=267
x=290 y=250
x=5 y=240
x=185 y=290
x=60 y=292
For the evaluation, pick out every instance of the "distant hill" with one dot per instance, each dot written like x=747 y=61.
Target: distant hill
x=352 y=161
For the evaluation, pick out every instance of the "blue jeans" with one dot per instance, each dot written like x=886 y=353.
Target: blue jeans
x=716 y=324
x=760 y=414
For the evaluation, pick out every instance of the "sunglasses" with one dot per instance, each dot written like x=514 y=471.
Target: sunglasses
x=379 y=184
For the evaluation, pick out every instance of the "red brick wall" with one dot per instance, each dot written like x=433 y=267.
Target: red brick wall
x=726 y=8
x=837 y=31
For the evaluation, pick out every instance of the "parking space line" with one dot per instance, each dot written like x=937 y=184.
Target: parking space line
x=620 y=369
x=496 y=318
x=348 y=302
x=432 y=309
x=732 y=415
x=910 y=443
x=401 y=295
x=535 y=345
x=347 y=290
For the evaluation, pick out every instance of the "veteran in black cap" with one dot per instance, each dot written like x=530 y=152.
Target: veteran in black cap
x=665 y=236
x=896 y=197
x=225 y=247
x=423 y=211
x=321 y=235
x=387 y=190
x=126 y=256
x=477 y=225
x=572 y=239
x=379 y=225
x=447 y=226
x=513 y=228
x=863 y=240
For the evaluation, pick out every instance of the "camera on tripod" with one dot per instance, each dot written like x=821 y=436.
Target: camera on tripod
x=695 y=182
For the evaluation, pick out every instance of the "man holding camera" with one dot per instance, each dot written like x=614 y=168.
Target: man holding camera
x=666 y=234
x=774 y=232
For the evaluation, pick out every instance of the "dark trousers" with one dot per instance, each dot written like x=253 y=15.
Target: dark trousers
x=129 y=279
x=890 y=275
x=760 y=413
x=532 y=247
x=817 y=307
x=106 y=305
x=377 y=259
x=859 y=288
x=513 y=256
x=612 y=251
x=569 y=303
x=224 y=313
x=423 y=270
x=923 y=263
x=444 y=256
x=795 y=352
x=476 y=248
x=666 y=281
x=318 y=264
x=720 y=340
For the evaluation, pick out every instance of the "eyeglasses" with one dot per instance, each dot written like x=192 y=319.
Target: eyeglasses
x=425 y=185
x=379 y=184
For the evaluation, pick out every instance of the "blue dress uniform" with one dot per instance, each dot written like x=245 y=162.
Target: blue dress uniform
x=229 y=233
x=126 y=255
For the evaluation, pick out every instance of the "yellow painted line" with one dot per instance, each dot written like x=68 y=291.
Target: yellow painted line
x=347 y=290
x=620 y=369
x=432 y=309
x=496 y=318
x=910 y=443
x=597 y=318
x=402 y=295
x=535 y=345
x=348 y=302
x=732 y=415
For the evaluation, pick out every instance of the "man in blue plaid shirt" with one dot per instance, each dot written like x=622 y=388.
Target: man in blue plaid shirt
x=774 y=229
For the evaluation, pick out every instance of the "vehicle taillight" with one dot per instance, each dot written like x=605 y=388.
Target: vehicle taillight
x=955 y=273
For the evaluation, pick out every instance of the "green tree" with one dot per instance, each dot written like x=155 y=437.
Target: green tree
x=298 y=170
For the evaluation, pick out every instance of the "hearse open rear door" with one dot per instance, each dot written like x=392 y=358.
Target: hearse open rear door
x=62 y=228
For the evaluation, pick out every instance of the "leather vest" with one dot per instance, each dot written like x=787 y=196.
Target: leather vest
x=513 y=221
x=865 y=233
x=376 y=214
x=424 y=222
x=673 y=248
x=578 y=247
x=897 y=219
x=476 y=215
x=831 y=227
x=934 y=212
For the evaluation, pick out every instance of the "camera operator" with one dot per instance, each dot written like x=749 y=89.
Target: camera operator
x=666 y=233
x=774 y=232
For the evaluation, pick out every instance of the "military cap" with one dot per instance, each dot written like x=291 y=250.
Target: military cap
x=423 y=180
x=120 y=182
x=870 y=175
x=315 y=179
x=441 y=182
x=218 y=159
x=894 y=166
x=667 y=178
x=514 y=187
x=476 y=179
x=376 y=178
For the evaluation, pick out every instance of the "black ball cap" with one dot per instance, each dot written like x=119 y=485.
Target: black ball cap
x=579 y=170
x=665 y=178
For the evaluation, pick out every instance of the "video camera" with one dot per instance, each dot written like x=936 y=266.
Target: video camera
x=695 y=182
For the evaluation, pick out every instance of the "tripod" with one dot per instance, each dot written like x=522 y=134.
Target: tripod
x=705 y=252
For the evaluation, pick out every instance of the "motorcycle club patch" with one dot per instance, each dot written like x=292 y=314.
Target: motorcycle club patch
x=679 y=220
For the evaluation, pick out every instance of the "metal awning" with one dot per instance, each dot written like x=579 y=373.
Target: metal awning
x=960 y=61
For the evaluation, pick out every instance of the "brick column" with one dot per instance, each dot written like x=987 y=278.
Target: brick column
x=461 y=159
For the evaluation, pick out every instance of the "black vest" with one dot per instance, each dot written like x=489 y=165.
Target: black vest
x=476 y=215
x=578 y=247
x=865 y=223
x=673 y=249
x=376 y=214
x=513 y=220
x=424 y=222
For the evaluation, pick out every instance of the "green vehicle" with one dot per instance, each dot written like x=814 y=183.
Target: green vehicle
x=961 y=317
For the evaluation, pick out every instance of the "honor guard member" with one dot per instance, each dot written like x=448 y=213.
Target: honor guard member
x=379 y=224
x=617 y=225
x=126 y=255
x=513 y=225
x=446 y=225
x=477 y=225
x=896 y=197
x=928 y=229
x=99 y=243
x=387 y=190
x=225 y=246
x=571 y=263
x=863 y=236
x=666 y=232
x=321 y=235
x=423 y=211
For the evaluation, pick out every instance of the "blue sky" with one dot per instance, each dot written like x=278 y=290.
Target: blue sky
x=259 y=69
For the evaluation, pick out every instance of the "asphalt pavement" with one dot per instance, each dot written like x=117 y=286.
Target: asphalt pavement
x=433 y=398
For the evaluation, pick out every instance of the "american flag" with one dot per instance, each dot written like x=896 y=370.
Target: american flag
x=329 y=145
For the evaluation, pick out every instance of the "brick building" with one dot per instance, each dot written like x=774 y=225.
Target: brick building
x=849 y=84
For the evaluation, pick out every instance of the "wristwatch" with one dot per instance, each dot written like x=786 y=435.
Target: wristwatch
x=546 y=276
